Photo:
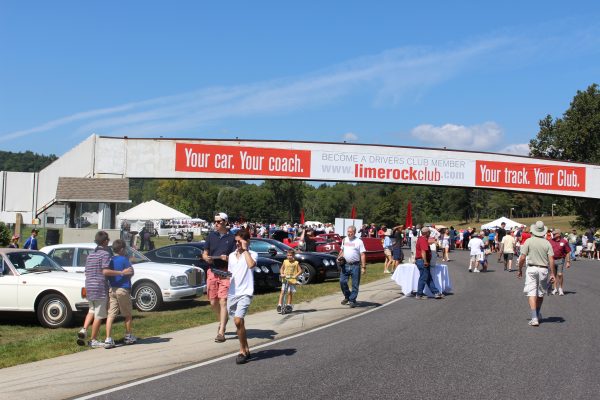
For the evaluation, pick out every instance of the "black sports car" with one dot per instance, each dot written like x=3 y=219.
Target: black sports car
x=266 y=271
x=316 y=267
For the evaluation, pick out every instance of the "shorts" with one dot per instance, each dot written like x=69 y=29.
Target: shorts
x=291 y=288
x=589 y=246
x=119 y=300
x=559 y=264
x=477 y=257
x=98 y=308
x=536 y=281
x=508 y=256
x=216 y=287
x=237 y=306
x=387 y=252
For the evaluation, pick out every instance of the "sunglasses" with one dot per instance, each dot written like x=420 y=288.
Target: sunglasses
x=219 y=221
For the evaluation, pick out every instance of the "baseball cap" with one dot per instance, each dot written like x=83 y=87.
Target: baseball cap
x=221 y=216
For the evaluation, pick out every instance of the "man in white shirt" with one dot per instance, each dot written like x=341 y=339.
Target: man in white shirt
x=476 y=247
x=507 y=249
x=353 y=251
x=241 y=288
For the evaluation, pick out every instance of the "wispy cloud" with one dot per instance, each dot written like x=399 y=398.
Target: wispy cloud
x=474 y=137
x=386 y=77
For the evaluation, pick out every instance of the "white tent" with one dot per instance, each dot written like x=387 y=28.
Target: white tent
x=151 y=211
x=496 y=223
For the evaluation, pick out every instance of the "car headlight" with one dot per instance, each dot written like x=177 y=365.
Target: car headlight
x=265 y=269
x=180 y=280
x=257 y=270
x=326 y=262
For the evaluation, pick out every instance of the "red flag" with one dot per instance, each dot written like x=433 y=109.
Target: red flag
x=353 y=212
x=302 y=216
x=409 y=222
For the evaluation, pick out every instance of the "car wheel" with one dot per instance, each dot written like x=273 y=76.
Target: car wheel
x=308 y=274
x=172 y=238
x=54 y=311
x=147 y=297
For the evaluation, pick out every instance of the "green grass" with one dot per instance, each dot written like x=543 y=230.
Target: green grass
x=23 y=340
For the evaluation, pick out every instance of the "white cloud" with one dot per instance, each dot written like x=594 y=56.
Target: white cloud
x=350 y=137
x=474 y=137
x=519 y=149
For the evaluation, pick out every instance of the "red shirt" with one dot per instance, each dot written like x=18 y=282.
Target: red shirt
x=561 y=247
x=524 y=237
x=422 y=244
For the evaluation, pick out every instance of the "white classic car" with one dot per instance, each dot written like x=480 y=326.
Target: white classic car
x=31 y=281
x=152 y=283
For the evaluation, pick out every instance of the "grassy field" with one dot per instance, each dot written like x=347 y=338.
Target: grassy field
x=561 y=222
x=23 y=340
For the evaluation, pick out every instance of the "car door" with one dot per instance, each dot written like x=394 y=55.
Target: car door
x=9 y=286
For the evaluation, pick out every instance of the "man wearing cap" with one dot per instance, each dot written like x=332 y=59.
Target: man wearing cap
x=423 y=259
x=562 y=251
x=540 y=258
x=31 y=242
x=219 y=244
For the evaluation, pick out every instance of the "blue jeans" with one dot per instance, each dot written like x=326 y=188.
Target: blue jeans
x=425 y=278
x=573 y=247
x=350 y=270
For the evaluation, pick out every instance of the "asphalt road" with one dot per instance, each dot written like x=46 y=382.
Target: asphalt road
x=474 y=344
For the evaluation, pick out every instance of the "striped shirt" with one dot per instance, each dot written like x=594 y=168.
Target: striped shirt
x=96 y=284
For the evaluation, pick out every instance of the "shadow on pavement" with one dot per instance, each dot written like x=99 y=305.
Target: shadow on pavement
x=260 y=333
x=559 y=320
x=367 y=304
x=153 y=339
x=303 y=311
x=271 y=353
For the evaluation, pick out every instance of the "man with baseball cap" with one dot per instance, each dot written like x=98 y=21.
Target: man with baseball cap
x=219 y=244
x=540 y=258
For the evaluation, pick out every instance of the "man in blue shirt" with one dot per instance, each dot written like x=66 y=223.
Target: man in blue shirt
x=219 y=244
x=31 y=242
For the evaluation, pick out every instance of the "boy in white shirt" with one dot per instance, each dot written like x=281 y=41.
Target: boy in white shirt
x=241 y=288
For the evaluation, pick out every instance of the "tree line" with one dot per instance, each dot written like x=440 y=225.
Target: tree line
x=282 y=201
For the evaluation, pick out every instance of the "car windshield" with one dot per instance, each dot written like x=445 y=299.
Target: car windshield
x=31 y=262
x=135 y=257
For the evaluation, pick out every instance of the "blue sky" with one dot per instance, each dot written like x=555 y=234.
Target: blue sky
x=461 y=75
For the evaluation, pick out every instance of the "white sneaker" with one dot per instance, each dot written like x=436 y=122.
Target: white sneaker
x=534 y=322
x=476 y=270
x=470 y=269
x=96 y=343
x=109 y=343
x=560 y=292
x=554 y=292
x=130 y=339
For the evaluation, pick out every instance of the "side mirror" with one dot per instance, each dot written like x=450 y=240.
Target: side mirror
x=272 y=251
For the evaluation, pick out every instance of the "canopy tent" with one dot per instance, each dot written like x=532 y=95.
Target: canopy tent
x=151 y=210
x=496 y=223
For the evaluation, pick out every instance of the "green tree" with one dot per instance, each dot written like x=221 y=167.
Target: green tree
x=574 y=137
x=5 y=235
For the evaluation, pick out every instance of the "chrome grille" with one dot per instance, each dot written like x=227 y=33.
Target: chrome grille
x=196 y=276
